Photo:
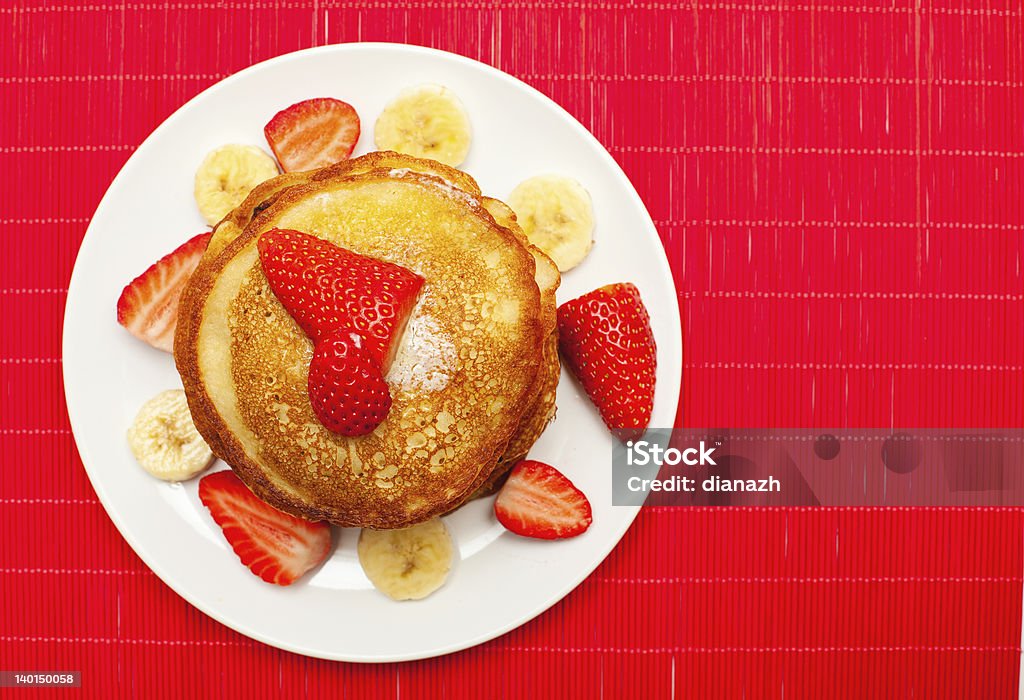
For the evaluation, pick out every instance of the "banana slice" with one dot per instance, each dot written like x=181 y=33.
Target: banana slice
x=226 y=177
x=557 y=216
x=165 y=441
x=426 y=121
x=407 y=564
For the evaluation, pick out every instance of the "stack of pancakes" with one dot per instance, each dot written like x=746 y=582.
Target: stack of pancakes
x=473 y=381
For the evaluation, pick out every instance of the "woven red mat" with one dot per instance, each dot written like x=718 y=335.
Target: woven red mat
x=839 y=191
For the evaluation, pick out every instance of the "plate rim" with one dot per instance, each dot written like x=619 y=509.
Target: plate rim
x=164 y=574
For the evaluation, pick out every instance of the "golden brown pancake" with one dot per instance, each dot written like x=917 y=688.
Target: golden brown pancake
x=541 y=409
x=264 y=194
x=538 y=414
x=462 y=380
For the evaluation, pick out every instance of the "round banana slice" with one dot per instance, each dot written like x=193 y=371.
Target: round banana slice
x=557 y=216
x=425 y=121
x=407 y=564
x=226 y=176
x=165 y=441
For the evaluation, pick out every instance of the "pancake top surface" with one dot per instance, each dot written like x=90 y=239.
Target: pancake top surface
x=266 y=193
x=460 y=382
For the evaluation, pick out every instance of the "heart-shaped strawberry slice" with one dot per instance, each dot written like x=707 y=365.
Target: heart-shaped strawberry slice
x=354 y=308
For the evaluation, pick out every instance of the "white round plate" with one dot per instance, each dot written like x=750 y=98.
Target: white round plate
x=500 y=580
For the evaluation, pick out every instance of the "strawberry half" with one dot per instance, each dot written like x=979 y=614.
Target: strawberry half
x=606 y=339
x=148 y=306
x=346 y=388
x=276 y=546
x=313 y=133
x=539 y=501
x=326 y=288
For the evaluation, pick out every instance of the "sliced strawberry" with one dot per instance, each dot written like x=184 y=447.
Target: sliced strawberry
x=606 y=339
x=326 y=288
x=148 y=306
x=539 y=501
x=278 y=547
x=313 y=133
x=346 y=389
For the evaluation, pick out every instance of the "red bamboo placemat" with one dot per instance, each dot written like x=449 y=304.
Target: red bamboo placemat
x=838 y=187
